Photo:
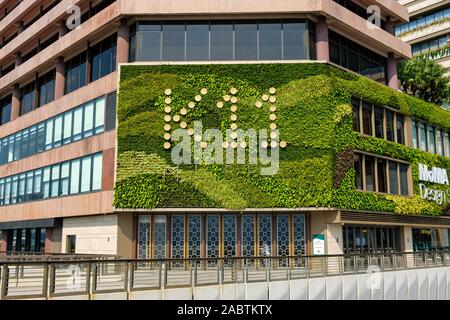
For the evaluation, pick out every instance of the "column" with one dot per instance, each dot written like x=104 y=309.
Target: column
x=389 y=25
x=15 y=103
x=123 y=35
x=392 y=71
x=322 y=48
x=18 y=59
x=3 y=240
x=62 y=28
x=60 y=78
x=48 y=240
x=406 y=244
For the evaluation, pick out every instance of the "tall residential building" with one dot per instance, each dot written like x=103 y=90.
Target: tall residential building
x=428 y=29
x=58 y=136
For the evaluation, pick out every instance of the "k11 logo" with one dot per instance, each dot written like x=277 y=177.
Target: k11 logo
x=194 y=144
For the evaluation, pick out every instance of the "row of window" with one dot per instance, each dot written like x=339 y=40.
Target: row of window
x=101 y=60
x=355 y=57
x=381 y=175
x=423 y=21
x=430 y=45
x=66 y=178
x=429 y=138
x=26 y=240
x=370 y=239
x=90 y=12
x=221 y=40
x=377 y=121
x=38 y=93
x=73 y=125
x=222 y=234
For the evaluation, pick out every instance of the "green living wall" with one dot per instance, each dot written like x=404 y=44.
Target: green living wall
x=313 y=116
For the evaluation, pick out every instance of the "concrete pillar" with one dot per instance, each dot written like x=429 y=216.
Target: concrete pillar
x=60 y=78
x=322 y=47
x=123 y=34
x=4 y=240
x=48 y=240
x=62 y=29
x=392 y=71
x=443 y=235
x=18 y=59
x=20 y=27
x=406 y=244
x=15 y=103
x=389 y=25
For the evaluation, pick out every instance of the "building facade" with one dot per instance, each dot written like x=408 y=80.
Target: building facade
x=58 y=107
x=428 y=29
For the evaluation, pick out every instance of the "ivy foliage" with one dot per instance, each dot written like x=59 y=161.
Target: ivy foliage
x=313 y=117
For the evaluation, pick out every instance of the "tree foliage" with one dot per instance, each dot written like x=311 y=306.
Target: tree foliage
x=425 y=79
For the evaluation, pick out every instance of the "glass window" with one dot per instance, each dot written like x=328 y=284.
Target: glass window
x=381 y=175
x=415 y=134
x=55 y=181
x=65 y=170
x=367 y=118
x=423 y=137
x=46 y=183
x=400 y=129
x=295 y=40
x=149 y=42
x=57 y=134
x=46 y=88
x=27 y=101
x=103 y=57
x=270 y=41
x=245 y=38
x=37 y=182
x=222 y=41
x=173 y=41
x=67 y=125
x=99 y=115
x=197 y=41
x=370 y=173
x=75 y=73
x=86 y=167
x=77 y=123
x=440 y=142
x=390 y=125
x=97 y=172
x=5 y=109
x=355 y=107
x=447 y=144
x=75 y=176
x=393 y=178
x=88 y=119
x=404 y=179
x=358 y=172
x=379 y=127
x=431 y=141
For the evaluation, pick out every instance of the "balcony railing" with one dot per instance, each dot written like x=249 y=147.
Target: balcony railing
x=47 y=279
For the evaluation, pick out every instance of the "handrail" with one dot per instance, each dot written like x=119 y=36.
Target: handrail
x=185 y=260
x=51 y=278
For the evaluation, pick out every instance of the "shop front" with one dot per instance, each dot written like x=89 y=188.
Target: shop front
x=214 y=235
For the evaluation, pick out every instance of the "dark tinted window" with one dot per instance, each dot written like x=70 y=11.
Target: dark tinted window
x=28 y=96
x=103 y=58
x=197 y=41
x=76 y=72
x=246 y=41
x=46 y=88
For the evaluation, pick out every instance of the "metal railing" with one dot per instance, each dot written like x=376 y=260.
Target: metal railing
x=17 y=256
x=47 y=279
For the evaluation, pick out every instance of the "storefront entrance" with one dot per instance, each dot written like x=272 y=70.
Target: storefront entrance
x=26 y=240
x=370 y=239
x=426 y=239
x=180 y=236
